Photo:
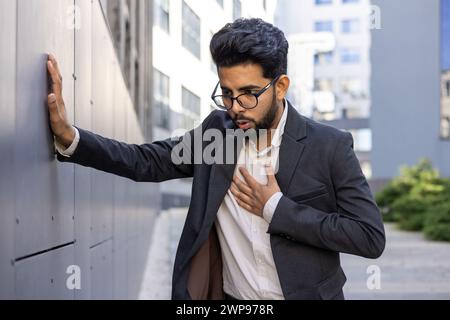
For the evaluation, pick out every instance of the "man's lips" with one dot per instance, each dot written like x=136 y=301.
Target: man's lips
x=244 y=124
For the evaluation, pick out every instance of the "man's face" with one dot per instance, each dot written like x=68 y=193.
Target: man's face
x=248 y=78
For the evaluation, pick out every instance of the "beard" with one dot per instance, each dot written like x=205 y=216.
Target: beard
x=269 y=117
x=267 y=120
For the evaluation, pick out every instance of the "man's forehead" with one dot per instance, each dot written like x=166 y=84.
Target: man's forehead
x=241 y=76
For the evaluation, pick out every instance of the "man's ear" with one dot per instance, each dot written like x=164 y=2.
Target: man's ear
x=282 y=87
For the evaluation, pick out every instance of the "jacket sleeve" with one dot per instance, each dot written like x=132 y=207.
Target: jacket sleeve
x=356 y=228
x=153 y=162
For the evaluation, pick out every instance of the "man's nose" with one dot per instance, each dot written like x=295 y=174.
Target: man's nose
x=236 y=108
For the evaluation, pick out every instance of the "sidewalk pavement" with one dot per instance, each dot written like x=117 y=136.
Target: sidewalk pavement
x=157 y=283
x=411 y=267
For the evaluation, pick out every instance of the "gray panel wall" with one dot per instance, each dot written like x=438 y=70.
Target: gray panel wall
x=55 y=215
x=406 y=87
x=83 y=118
x=7 y=133
x=47 y=221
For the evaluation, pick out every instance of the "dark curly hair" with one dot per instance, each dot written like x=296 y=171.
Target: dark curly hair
x=251 y=40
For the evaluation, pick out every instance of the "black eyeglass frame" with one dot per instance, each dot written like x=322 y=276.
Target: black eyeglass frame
x=256 y=95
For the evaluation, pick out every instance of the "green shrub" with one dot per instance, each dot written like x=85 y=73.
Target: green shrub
x=404 y=185
x=395 y=190
x=409 y=197
x=437 y=222
x=409 y=211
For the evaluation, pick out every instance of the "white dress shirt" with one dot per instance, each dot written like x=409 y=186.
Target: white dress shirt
x=249 y=271
x=69 y=151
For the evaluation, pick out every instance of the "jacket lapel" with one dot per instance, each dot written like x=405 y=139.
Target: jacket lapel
x=291 y=149
x=220 y=178
x=219 y=183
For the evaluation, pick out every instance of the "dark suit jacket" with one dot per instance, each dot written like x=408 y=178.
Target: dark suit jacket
x=327 y=207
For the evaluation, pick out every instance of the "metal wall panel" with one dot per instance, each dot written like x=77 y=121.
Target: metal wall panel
x=83 y=119
x=120 y=273
x=102 y=123
x=102 y=271
x=66 y=214
x=133 y=136
x=44 y=276
x=131 y=187
x=132 y=269
x=44 y=188
x=121 y=203
x=7 y=132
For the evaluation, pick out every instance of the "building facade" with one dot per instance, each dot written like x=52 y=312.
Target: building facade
x=410 y=86
x=131 y=23
x=341 y=88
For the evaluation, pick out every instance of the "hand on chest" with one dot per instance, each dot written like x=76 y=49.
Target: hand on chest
x=256 y=162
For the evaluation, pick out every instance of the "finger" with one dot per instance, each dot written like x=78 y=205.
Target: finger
x=252 y=183
x=245 y=206
x=53 y=107
x=56 y=81
x=234 y=189
x=52 y=58
x=242 y=186
x=51 y=99
x=270 y=175
x=242 y=196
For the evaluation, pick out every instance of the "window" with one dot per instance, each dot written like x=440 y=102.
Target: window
x=323 y=26
x=445 y=66
x=191 y=109
x=191 y=30
x=162 y=18
x=352 y=86
x=237 y=9
x=323 y=58
x=322 y=2
x=323 y=85
x=161 y=114
x=351 y=26
x=350 y=56
x=350 y=1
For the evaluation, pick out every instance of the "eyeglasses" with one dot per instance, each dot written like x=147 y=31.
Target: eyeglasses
x=246 y=100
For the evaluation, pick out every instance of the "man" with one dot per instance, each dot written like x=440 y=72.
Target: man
x=250 y=233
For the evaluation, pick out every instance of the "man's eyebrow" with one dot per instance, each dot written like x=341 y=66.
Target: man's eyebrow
x=246 y=88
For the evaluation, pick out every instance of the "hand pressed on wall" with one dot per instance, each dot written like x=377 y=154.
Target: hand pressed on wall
x=59 y=123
